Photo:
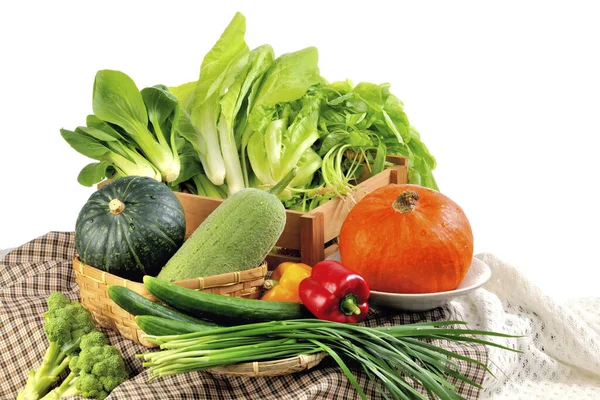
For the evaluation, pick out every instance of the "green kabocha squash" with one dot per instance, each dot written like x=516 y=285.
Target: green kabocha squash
x=130 y=227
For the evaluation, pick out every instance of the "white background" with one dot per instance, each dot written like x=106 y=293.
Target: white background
x=505 y=94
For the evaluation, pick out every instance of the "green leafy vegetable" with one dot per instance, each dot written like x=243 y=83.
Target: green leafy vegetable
x=248 y=119
x=218 y=71
x=259 y=61
x=394 y=357
x=289 y=77
x=110 y=151
x=275 y=152
x=117 y=100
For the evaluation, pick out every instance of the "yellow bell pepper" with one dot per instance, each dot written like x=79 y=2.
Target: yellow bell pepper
x=284 y=282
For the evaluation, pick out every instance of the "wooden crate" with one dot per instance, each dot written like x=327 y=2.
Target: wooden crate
x=308 y=237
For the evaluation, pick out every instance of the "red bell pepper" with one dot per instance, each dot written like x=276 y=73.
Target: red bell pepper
x=334 y=293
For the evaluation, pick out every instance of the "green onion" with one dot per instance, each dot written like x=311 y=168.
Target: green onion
x=392 y=357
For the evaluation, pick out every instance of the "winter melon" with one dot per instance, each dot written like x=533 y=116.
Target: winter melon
x=236 y=236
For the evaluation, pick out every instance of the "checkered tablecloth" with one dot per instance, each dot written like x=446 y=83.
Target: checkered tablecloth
x=29 y=273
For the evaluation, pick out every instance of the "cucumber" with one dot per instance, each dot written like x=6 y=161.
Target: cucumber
x=223 y=309
x=137 y=304
x=159 y=326
x=236 y=236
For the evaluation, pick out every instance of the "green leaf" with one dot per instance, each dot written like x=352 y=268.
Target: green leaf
x=94 y=122
x=123 y=159
x=259 y=61
x=300 y=136
x=188 y=159
x=308 y=165
x=358 y=139
x=289 y=77
x=371 y=94
x=331 y=140
x=160 y=104
x=97 y=134
x=84 y=144
x=221 y=60
x=379 y=163
x=92 y=173
x=116 y=99
x=218 y=71
x=185 y=93
x=163 y=112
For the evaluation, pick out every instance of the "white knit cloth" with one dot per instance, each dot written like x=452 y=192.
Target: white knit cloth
x=561 y=349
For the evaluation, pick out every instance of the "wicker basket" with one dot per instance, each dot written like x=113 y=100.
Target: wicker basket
x=93 y=284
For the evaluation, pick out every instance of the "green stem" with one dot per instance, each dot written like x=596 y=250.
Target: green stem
x=39 y=381
x=349 y=305
x=67 y=388
x=284 y=182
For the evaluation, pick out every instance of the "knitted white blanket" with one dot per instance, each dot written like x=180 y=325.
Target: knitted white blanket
x=561 y=349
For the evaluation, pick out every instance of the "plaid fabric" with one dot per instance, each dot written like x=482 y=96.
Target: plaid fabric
x=31 y=272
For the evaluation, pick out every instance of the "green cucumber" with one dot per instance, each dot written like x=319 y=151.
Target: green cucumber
x=223 y=309
x=236 y=236
x=136 y=304
x=159 y=326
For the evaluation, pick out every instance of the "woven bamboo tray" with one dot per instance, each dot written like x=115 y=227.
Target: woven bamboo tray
x=93 y=285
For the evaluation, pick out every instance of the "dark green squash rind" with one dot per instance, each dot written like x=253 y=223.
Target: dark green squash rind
x=140 y=240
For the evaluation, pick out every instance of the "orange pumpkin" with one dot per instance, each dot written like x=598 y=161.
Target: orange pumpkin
x=407 y=239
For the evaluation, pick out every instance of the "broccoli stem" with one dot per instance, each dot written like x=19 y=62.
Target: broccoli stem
x=67 y=388
x=39 y=381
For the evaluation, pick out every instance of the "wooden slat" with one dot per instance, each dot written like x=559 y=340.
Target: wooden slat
x=290 y=238
x=311 y=234
x=336 y=210
x=197 y=208
x=274 y=260
x=398 y=160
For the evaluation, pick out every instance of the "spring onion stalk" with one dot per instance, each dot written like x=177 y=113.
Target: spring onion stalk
x=400 y=364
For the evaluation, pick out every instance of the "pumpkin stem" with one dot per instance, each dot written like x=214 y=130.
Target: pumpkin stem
x=406 y=202
x=116 y=206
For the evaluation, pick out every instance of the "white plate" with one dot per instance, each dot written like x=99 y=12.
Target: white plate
x=477 y=275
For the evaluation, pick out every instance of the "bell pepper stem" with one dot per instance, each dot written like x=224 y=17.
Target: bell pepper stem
x=270 y=283
x=349 y=305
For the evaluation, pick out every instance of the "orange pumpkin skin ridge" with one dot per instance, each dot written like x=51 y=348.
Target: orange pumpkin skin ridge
x=426 y=250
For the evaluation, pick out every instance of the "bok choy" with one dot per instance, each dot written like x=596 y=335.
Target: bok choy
x=218 y=71
x=116 y=157
x=247 y=121
x=150 y=124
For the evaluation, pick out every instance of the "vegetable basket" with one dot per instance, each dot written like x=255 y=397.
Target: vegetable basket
x=93 y=285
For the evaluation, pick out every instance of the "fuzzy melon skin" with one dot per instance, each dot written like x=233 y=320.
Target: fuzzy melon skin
x=236 y=236
x=138 y=241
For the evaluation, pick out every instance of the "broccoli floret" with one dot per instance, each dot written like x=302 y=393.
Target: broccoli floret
x=65 y=323
x=95 y=372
